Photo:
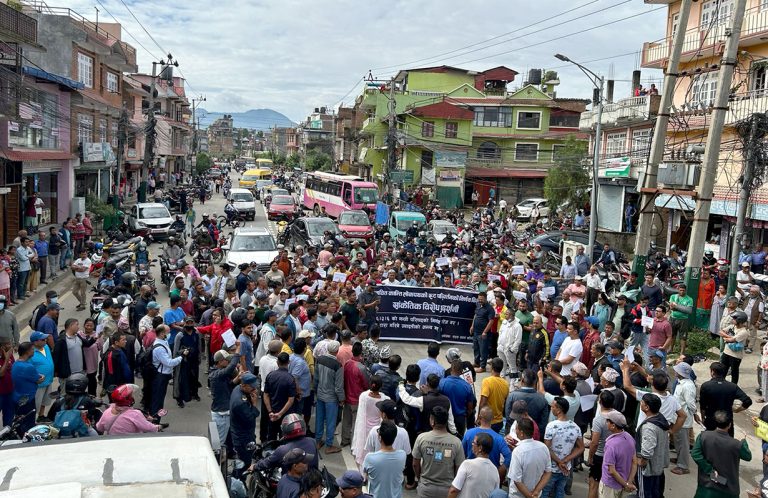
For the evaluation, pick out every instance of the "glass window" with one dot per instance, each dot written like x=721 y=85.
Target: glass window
x=704 y=89
x=39 y=126
x=113 y=133
x=488 y=150
x=616 y=144
x=715 y=13
x=253 y=243
x=529 y=120
x=84 y=128
x=427 y=129
x=152 y=212
x=321 y=225
x=493 y=116
x=366 y=195
x=112 y=83
x=451 y=129
x=352 y=218
x=85 y=70
x=558 y=152
x=282 y=200
x=641 y=144
x=563 y=120
x=242 y=197
x=526 y=152
x=102 y=130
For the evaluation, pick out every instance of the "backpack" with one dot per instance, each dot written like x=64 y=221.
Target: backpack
x=70 y=422
x=145 y=361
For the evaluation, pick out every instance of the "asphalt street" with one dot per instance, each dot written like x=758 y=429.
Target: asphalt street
x=194 y=417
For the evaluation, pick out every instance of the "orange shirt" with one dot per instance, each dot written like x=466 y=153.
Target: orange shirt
x=706 y=294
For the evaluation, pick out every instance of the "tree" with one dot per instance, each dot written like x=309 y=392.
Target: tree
x=568 y=181
x=293 y=161
x=203 y=163
x=318 y=161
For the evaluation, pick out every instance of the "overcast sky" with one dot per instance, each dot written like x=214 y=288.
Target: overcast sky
x=292 y=55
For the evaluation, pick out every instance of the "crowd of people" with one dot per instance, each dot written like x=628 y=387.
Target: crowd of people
x=561 y=375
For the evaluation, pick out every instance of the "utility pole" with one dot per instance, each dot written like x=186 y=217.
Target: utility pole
x=712 y=155
x=121 y=136
x=595 y=168
x=739 y=237
x=149 y=141
x=391 y=143
x=650 y=179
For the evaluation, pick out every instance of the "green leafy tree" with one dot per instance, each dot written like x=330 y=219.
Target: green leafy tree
x=203 y=163
x=567 y=182
x=293 y=161
x=318 y=161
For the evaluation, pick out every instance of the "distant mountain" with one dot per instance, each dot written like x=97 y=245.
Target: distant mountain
x=255 y=119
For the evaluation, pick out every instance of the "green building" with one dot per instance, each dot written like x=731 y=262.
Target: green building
x=460 y=131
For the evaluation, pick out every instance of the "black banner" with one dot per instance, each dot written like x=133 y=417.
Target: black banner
x=426 y=313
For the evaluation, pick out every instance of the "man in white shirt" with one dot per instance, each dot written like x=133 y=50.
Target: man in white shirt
x=744 y=278
x=571 y=349
x=82 y=267
x=530 y=468
x=388 y=409
x=594 y=286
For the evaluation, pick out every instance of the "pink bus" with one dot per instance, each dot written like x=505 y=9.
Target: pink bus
x=338 y=193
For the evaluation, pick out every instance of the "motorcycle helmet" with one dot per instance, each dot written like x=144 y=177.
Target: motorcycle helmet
x=181 y=263
x=124 y=300
x=739 y=317
x=123 y=395
x=293 y=426
x=653 y=246
x=128 y=278
x=76 y=384
x=40 y=433
x=110 y=267
x=171 y=240
x=453 y=354
x=99 y=246
x=239 y=316
x=673 y=248
x=205 y=215
x=142 y=246
x=709 y=254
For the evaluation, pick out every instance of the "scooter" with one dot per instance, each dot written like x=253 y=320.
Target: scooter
x=168 y=270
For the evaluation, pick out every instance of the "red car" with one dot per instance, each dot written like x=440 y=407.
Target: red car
x=355 y=224
x=282 y=207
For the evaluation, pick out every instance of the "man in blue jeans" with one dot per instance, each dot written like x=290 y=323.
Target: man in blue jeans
x=563 y=438
x=329 y=389
x=481 y=324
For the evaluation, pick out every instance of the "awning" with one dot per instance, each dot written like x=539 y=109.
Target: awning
x=504 y=173
x=34 y=155
x=55 y=78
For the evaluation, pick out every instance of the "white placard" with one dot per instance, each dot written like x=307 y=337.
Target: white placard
x=322 y=272
x=588 y=401
x=629 y=354
x=493 y=277
x=548 y=291
x=443 y=262
x=289 y=302
x=302 y=297
x=591 y=383
x=518 y=270
x=519 y=295
x=340 y=277
x=321 y=285
x=647 y=321
x=229 y=338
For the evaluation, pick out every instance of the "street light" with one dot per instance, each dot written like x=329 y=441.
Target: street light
x=597 y=82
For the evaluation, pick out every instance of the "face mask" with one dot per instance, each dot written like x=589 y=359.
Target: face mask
x=54 y=300
x=2 y=306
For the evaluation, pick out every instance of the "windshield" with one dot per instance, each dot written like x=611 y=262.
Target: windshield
x=249 y=178
x=441 y=229
x=404 y=224
x=366 y=195
x=359 y=219
x=527 y=203
x=242 y=197
x=253 y=243
x=282 y=200
x=319 y=226
x=279 y=191
x=153 y=212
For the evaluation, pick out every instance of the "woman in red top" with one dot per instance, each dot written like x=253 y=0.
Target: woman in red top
x=220 y=325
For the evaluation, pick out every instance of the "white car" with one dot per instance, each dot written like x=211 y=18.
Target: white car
x=150 y=215
x=440 y=228
x=243 y=202
x=524 y=208
x=252 y=244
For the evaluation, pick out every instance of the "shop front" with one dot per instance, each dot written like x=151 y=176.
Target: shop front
x=93 y=176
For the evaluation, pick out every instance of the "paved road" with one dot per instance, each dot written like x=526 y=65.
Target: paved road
x=195 y=416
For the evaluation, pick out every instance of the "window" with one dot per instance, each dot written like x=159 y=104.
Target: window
x=558 y=152
x=564 y=120
x=760 y=77
x=112 y=83
x=641 y=144
x=85 y=70
x=84 y=128
x=488 y=150
x=493 y=116
x=102 y=130
x=615 y=144
x=39 y=126
x=451 y=129
x=715 y=13
x=704 y=89
x=529 y=120
x=428 y=129
x=113 y=131
x=427 y=158
x=763 y=5
x=675 y=22
x=526 y=152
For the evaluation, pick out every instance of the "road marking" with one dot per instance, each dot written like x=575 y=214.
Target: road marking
x=349 y=460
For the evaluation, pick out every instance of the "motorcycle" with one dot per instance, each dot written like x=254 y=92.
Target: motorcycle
x=204 y=257
x=168 y=270
x=144 y=277
x=97 y=300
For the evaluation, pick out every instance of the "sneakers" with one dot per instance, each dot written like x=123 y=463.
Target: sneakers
x=679 y=471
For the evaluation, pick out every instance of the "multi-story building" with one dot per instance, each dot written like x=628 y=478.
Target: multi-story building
x=316 y=133
x=346 y=124
x=704 y=40
x=459 y=131
x=220 y=137
x=284 y=140
x=135 y=97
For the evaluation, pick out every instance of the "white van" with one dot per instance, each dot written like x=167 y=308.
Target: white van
x=244 y=202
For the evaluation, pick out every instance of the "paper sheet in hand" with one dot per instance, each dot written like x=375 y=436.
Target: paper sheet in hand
x=340 y=277
x=519 y=294
x=322 y=272
x=761 y=430
x=302 y=297
x=229 y=338
x=492 y=277
x=647 y=321
x=289 y=302
x=518 y=270
x=588 y=401
x=591 y=383
x=629 y=354
x=548 y=291
x=443 y=262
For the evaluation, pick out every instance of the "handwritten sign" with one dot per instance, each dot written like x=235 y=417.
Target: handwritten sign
x=548 y=291
x=647 y=321
x=518 y=270
x=229 y=338
x=302 y=297
x=443 y=262
x=761 y=430
x=494 y=278
x=519 y=295
x=340 y=277
x=289 y=302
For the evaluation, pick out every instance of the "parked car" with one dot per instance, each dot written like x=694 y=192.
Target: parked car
x=243 y=202
x=252 y=244
x=401 y=221
x=550 y=241
x=525 y=207
x=355 y=224
x=153 y=216
x=282 y=207
x=310 y=231
x=440 y=228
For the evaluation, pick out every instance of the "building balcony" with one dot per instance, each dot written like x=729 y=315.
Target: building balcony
x=17 y=26
x=478 y=162
x=624 y=110
x=707 y=42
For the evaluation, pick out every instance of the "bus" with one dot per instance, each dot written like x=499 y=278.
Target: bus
x=337 y=193
x=264 y=163
x=251 y=176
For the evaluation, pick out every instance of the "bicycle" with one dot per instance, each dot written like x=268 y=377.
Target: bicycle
x=235 y=221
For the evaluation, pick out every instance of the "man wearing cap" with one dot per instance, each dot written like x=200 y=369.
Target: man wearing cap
x=329 y=391
x=685 y=392
x=221 y=379
x=388 y=409
x=42 y=359
x=351 y=485
x=296 y=462
x=753 y=305
x=619 y=466
x=243 y=414
x=744 y=278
